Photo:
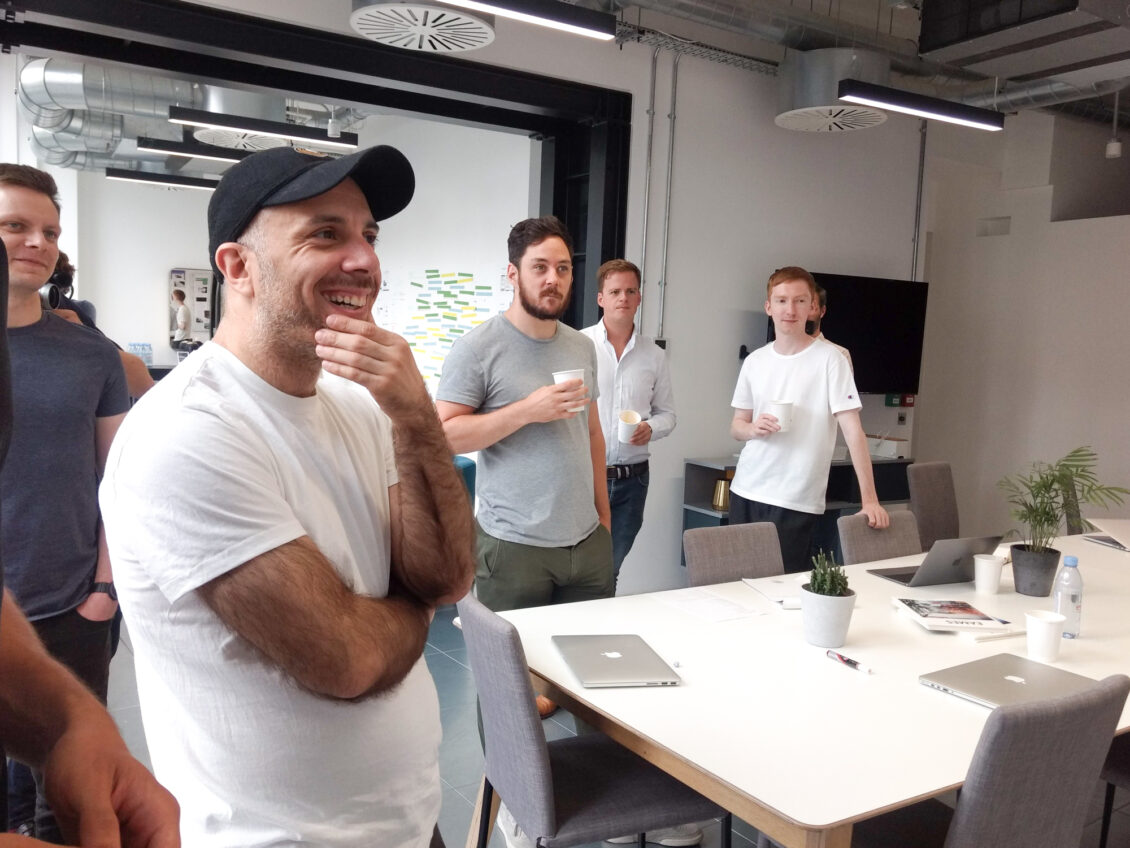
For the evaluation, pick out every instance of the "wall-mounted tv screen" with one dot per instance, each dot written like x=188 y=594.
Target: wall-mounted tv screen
x=881 y=322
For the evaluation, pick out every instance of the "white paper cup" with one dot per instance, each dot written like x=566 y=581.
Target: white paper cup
x=987 y=573
x=783 y=410
x=571 y=374
x=1045 y=634
x=626 y=428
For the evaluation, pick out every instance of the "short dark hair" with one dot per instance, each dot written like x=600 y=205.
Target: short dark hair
x=534 y=231
x=616 y=266
x=26 y=176
x=64 y=275
x=822 y=296
x=178 y=292
x=789 y=274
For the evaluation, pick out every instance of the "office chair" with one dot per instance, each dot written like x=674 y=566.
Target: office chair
x=1116 y=773
x=731 y=552
x=569 y=791
x=1028 y=785
x=861 y=543
x=933 y=501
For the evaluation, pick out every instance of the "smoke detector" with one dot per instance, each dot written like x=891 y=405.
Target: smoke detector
x=424 y=27
x=808 y=97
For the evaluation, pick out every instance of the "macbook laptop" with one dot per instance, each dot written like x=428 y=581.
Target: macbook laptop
x=604 y=661
x=948 y=561
x=1116 y=532
x=1005 y=679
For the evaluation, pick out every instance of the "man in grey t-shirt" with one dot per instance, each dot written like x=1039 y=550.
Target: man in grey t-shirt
x=543 y=519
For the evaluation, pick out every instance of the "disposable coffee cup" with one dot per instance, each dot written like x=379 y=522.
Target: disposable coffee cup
x=783 y=410
x=987 y=573
x=629 y=421
x=571 y=374
x=1045 y=634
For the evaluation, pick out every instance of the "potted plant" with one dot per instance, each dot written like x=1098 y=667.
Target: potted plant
x=1042 y=499
x=826 y=603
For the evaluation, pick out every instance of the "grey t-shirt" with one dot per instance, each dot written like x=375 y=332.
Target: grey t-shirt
x=535 y=486
x=64 y=376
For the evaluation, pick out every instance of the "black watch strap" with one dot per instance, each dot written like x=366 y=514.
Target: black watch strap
x=107 y=588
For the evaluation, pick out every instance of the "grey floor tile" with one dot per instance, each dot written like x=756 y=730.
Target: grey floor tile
x=129 y=724
x=1119 y=832
x=122 y=688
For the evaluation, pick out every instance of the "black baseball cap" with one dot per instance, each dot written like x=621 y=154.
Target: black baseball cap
x=284 y=175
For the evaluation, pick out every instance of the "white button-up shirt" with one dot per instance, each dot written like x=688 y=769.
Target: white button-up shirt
x=639 y=380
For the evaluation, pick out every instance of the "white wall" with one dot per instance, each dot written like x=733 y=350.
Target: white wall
x=1087 y=184
x=1025 y=352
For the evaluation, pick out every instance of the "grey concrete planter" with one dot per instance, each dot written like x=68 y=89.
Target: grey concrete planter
x=826 y=617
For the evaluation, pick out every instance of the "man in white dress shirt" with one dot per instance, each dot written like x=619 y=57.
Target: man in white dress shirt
x=632 y=374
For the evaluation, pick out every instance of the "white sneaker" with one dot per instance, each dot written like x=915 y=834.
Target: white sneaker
x=513 y=834
x=680 y=835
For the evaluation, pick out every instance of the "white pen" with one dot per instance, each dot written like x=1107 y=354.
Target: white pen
x=849 y=662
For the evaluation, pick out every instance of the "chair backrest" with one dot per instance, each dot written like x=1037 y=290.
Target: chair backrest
x=1035 y=769
x=861 y=543
x=731 y=552
x=933 y=501
x=517 y=760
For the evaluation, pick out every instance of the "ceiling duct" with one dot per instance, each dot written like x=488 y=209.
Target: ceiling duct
x=808 y=97
x=426 y=27
x=242 y=104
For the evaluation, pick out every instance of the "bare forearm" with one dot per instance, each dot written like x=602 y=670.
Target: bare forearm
x=861 y=462
x=475 y=431
x=434 y=557
x=38 y=696
x=138 y=379
x=741 y=430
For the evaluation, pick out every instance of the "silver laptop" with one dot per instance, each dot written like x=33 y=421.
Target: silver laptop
x=1116 y=530
x=1005 y=679
x=605 y=661
x=948 y=561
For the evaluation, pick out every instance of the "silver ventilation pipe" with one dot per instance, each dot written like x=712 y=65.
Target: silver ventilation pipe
x=54 y=85
x=1040 y=94
x=81 y=160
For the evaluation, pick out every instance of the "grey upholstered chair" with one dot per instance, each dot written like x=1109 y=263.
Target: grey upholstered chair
x=861 y=543
x=1029 y=783
x=569 y=791
x=933 y=501
x=1116 y=772
x=731 y=552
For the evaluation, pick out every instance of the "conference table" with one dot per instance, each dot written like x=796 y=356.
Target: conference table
x=773 y=730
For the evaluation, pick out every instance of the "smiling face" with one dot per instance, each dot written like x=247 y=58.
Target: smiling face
x=789 y=305
x=312 y=259
x=29 y=226
x=543 y=279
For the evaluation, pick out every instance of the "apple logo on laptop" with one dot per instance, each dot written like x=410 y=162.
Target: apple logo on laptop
x=612 y=655
x=1015 y=678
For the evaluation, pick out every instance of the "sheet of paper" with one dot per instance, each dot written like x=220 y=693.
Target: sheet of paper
x=780 y=588
x=702 y=603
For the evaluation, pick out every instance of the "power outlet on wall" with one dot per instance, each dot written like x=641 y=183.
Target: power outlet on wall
x=902 y=418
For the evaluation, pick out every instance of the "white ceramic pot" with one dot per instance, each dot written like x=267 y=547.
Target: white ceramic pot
x=826 y=617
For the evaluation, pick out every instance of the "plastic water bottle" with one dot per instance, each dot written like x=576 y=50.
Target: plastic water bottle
x=1068 y=594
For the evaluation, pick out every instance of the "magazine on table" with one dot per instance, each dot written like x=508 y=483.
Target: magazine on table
x=947 y=615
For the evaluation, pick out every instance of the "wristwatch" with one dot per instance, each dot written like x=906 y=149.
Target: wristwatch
x=107 y=588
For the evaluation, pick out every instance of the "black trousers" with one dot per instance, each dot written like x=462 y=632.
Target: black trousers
x=794 y=528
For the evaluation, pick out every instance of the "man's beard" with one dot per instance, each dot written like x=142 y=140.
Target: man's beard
x=536 y=311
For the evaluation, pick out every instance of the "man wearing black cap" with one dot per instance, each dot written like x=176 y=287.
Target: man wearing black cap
x=279 y=596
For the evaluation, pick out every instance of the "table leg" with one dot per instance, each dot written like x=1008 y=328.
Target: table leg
x=473 y=833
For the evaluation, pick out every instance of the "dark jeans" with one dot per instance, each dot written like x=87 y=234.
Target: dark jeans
x=626 y=497
x=83 y=646
x=794 y=529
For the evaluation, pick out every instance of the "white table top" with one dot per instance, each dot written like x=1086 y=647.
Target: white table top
x=769 y=718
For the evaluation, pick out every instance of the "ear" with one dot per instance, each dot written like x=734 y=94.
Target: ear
x=234 y=261
x=512 y=275
x=768 y=309
x=600 y=299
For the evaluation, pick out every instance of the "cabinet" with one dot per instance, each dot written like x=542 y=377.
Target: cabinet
x=700 y=475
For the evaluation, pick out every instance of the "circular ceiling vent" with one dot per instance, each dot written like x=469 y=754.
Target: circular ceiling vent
x=838 y=118
x=422 y=27
x=237 y=139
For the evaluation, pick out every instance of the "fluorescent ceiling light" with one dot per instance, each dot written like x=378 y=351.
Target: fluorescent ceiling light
x=259 y=126
x=170 y=180
x=934 y=108
x=190 y=150
x=549 y=13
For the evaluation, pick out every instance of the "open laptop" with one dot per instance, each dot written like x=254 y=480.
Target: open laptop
x=605 y=661
x=1115 y=532
x=1005 y=679
x=948 y=561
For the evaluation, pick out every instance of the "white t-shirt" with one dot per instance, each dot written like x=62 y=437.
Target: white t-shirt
x=790 y=469
x=253 y=759
x=183 y=316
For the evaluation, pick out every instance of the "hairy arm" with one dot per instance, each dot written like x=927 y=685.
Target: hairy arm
x=469 y=431
x=861 y=461
x=599 y=474
x=291 y=604
x=100 y=794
